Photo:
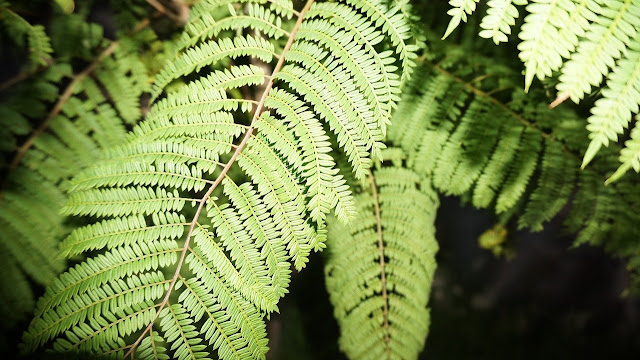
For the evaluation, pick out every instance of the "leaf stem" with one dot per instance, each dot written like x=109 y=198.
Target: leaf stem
x=383 y=275
x=57 y=108
x=225 y=170
x=25 y=75
x=182 y=15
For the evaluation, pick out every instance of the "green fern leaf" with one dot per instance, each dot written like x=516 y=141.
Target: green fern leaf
x=470 y=143
x=379 y=271
x=500 y=17
x=550 y=32
x=613 y=112
x=461 y=9
x=70 y=136
x=608 y=38
x=39 y=44
x=629 y=156
x=587 y=41
x=172 y=188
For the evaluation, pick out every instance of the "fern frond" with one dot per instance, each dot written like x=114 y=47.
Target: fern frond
x=257 y=18
x=152 y=348
x=80 y=281
x=178 y=328
x=210 y=52
x=459 y=12
x=510 y=153
x=620 y=100
x=238 y=228
x=586 y=41
x=394 y=23
x=550 y=32
x=629 y=156
x=500 y=17
x=70 y=136
x=608 y=38
x=516 y=156
x=15 y=291
x=74 y=37
x=553 y=188
x=379 y=270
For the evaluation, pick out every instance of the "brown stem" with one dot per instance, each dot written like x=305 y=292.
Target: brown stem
x=499 y=103
x=182 y=11
x=62 y=100
x=180 y=17
x=24 y=75
x=207 y=195
x=559 y=100
x=57 y=108
x=383 y=276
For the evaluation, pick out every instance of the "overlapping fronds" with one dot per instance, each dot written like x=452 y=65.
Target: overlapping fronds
x=26 y=102
x=70 y=129
x=584 y=42
x=509 y=152
x=175 y=213
x=73 y=36
x=379 y=270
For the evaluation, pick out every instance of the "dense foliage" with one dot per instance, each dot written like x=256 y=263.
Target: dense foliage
x=164 y=181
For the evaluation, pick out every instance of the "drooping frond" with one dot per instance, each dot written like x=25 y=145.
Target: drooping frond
x=629 y=156
x=177 y=214
x=28 y=101
x=379 y=270
x=72 y=36
x=16 y=295
x=620 y=100
x=72 y=128
x=459 y=12
x=510 y=152
x=585 y=42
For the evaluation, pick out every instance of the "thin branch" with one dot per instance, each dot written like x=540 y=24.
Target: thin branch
x=153 y=345
x=218 y=180
x=182 y=10
x=66 y=95
x=383 y=275
x=180 y=18
x=57 y=108
x=497 y=90
x=62 y=100
x=492 y=99
x=24 y=75
x=481 y=78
